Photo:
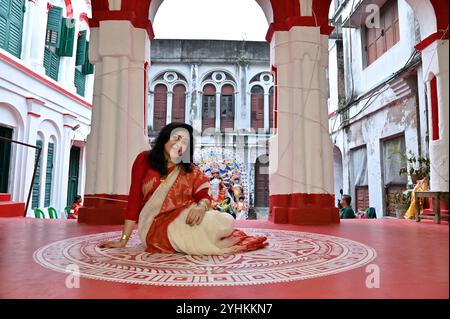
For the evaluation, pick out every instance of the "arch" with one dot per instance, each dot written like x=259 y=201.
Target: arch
x=204 y=77
x=430 y=19
x=159 y=75
x=265 y=5
x=159 y=107
x=179 y=103
x=227 y=106
x=50 y=128
x=11 y=117
x=69 y=8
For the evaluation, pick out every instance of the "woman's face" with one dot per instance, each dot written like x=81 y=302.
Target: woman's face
x=177 y=145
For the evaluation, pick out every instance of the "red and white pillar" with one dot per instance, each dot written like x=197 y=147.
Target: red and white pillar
x=120 y=51
x=301 y=152
x=435 y=55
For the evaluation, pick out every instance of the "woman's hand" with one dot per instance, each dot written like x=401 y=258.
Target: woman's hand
x=196 y=215
x=113 y=244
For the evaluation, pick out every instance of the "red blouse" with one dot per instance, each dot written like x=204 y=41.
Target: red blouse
x=142 y=172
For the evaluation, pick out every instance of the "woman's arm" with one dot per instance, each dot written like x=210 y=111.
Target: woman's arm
x=126 y=234
x=201 y=197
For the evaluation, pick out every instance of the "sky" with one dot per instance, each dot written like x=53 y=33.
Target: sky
x=210 y=19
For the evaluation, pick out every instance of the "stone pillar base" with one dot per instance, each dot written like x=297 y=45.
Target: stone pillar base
x=303 y=209
x=103 y=209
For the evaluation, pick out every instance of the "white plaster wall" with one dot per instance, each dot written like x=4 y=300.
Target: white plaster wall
x=379 y=122
x=17 y=86
x=366 y=77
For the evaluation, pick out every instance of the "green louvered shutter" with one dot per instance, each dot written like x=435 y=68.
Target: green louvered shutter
x=16 y=13
x=54 y=23
x=51 y=64
x=87 y=67
x=47 y=60
x=11 y=24
x=4 y=13
x=80 y=82
x=36 y=183
x=81 y=48
x=67 y=37
x=54 y=67
x=49 y=174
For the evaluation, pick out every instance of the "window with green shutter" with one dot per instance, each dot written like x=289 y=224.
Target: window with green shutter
x=54 y=24
x=81 y=48
x=11 y=25
x=87 y=67
x=51 y=64
x=80 y=82
x=74 y=171
x=57 y=41
x=36 y=183
x=67 y=37
x=49 y=174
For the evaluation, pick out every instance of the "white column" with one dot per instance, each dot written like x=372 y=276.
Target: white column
x=151 y=105
x=301 y=153
x=43 y=172
x=266 y=111
x=218 y=95
x=28 y=30
x=39 y=28
x=119 y=52
x=187 y=103
x=29 y=153
x=198 y=119
x=435 y=59
x=169 y=106
x=66 y=144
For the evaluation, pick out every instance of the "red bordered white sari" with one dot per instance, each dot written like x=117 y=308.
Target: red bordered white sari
x=162 y=221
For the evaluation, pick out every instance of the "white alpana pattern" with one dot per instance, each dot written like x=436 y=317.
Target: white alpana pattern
x=289 y=256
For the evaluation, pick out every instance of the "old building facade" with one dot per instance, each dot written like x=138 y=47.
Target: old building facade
x=379 y=102
x=225 y=89
x=46 y=89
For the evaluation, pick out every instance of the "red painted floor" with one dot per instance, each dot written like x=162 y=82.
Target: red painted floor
x=413 y=259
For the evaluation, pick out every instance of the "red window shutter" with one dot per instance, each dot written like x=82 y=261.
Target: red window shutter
x=227 y=107
x=160 y=107
x=434 y=109
x=257 y=108
x=179 y=103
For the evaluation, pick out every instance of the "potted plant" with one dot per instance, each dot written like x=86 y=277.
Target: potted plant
x=418 y=167
x=402 y=201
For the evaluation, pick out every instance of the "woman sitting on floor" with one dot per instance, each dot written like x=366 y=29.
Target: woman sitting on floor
x=169 y=199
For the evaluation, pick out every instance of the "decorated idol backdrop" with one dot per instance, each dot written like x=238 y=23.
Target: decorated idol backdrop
x=227 y=164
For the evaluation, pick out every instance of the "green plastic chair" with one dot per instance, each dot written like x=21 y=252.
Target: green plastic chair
x=38 y=213
x=52 y=213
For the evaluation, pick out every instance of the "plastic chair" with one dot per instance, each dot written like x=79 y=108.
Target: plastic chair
x=52 y=213
x=38 y=213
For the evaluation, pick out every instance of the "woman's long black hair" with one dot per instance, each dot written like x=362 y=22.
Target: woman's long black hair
x=156 y=158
